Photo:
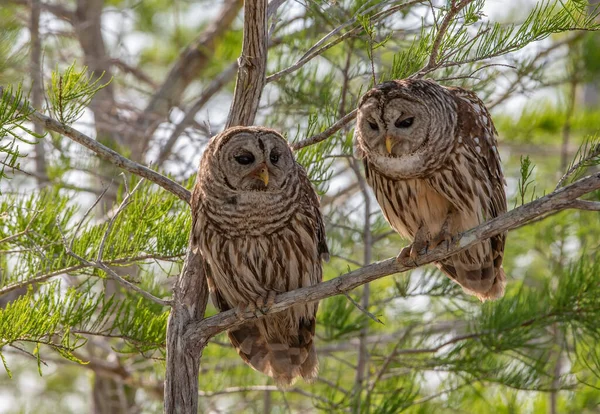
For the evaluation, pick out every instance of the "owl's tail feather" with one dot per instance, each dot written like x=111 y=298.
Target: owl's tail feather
x=486 y=282
x=284 y=358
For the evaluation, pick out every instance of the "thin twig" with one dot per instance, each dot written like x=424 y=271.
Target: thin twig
x=110 y=272
x=432 y=63
x=576 y=165
x=40 y=278
x=315 y=139
x=21 y=233
x=317 y=49
x=126 y=201
x=104 y=152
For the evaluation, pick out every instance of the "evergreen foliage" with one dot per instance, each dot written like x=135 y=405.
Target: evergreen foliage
x=63 y=259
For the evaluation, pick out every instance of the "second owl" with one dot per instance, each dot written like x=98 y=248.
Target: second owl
x=257 y=224
x=431 y=157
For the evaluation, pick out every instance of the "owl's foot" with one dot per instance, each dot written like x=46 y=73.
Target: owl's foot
x=418 y=247
x=409 y=254
x=258 y=306
x=263 y=304
x=244 y=307
x=443 y=236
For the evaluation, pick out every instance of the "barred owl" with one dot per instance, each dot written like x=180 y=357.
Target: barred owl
x=257 y=224
x=431 y=157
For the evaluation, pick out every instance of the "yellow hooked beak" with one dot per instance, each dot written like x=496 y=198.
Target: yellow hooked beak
x=263 y=173
x=388 y=144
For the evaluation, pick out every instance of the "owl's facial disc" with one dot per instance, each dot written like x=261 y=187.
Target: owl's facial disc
x=256 y=162
x=405 y=127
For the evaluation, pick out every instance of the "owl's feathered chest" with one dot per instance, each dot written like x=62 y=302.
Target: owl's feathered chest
x=245 y=266
x=251 y=214
x=408 y=204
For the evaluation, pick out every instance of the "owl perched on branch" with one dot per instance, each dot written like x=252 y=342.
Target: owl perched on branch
x=431 y=157
x=257 y=224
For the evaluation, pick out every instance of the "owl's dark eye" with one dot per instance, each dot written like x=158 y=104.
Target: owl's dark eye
x=373 y=126
x=404 y=123
x=274 y=158
x=245 y=159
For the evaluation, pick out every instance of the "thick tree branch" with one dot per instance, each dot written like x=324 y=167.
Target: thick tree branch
x=190 y=296
x=252 y=65
x=564 y=198
x=104 y=152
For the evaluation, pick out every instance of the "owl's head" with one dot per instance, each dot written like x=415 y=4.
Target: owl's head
x=250 y=159
x=403 y=125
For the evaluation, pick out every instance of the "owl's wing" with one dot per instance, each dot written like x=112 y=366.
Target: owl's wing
x=197 y=215
x=310 y=206
x=473 y=182
x=475 y=161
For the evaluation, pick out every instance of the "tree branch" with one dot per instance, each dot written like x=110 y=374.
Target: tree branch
x=432 y=64
x=317 y=49
x=207 y=93
x=315 y=139
x=190 y=296
x=200 y=332
x=252 y=65
x=191 y=62
x=104 y=152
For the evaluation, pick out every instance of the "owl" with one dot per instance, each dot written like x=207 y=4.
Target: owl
x=257 y=225
x=430 y=154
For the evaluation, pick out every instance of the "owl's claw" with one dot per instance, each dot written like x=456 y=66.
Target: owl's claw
x=244 y=307
x=408 y=255
x=419 y=246
x=443 y=236
x=263 y=304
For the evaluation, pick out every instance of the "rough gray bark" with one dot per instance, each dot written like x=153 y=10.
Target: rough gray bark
x=252 y=65
x=190 y=296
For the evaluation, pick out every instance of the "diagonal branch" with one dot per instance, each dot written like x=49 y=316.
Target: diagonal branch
x=212 y=88
x=200 y=332
x=103 y=152
x=315 y=139
x=191 y=62
x=455 y=8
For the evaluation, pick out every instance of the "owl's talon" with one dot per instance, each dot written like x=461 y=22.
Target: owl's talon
x=243 y=308
x=265 y=303
x=405 y=257
x=443 y=236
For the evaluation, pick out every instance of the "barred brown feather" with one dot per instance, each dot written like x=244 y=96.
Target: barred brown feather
x=257 y=237
x=431 y=156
